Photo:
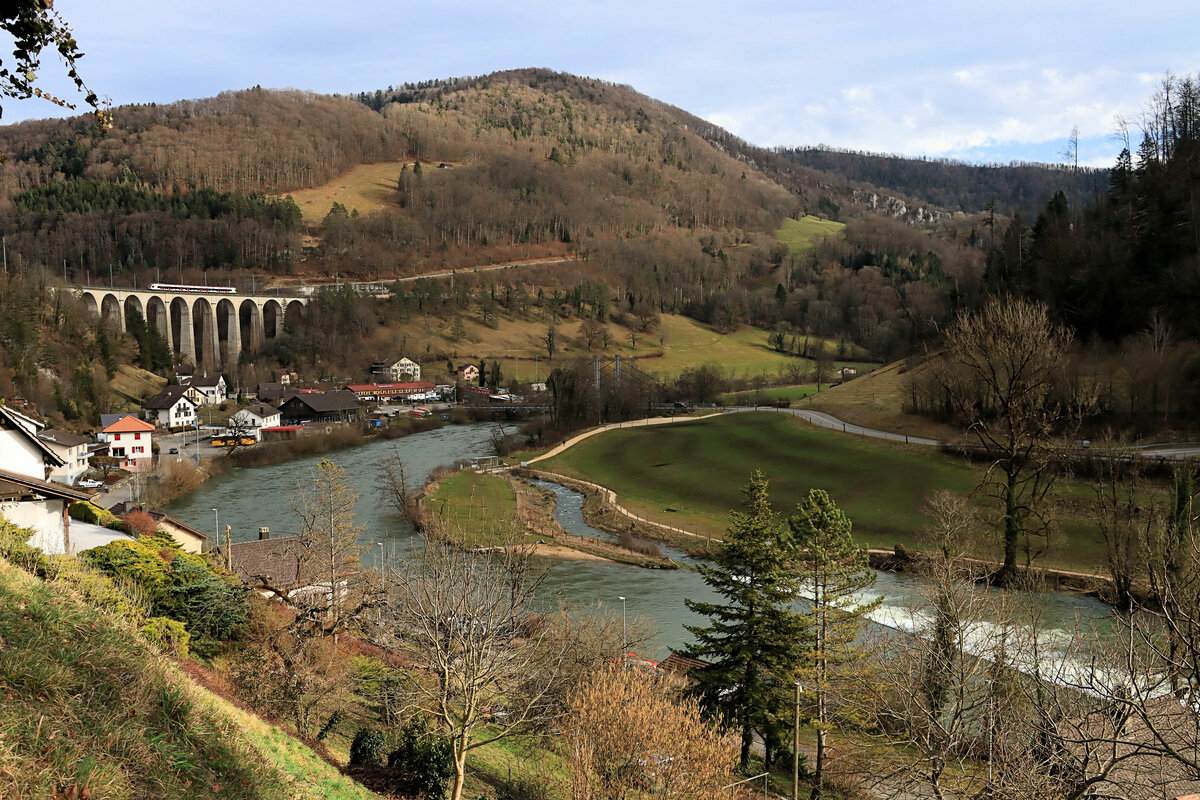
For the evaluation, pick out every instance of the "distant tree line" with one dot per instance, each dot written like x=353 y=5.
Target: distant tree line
x=1016 y=188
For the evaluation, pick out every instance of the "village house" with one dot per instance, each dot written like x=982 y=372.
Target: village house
x=253 y=419
x=173 y=407
x=281 y=564
x=468 y=373
x=27 y=499
x=274 y=393
x=187 y=537
x=213 y=389
x=383 y=392
x=183 y=373
x=403 y=370
x=72 y=449
x=339 y=406
x=129 y=439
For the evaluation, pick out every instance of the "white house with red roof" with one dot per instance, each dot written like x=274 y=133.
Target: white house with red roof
x=129 y=439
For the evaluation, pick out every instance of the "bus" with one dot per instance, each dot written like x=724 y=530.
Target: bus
x=420 y=411
x=189 y=289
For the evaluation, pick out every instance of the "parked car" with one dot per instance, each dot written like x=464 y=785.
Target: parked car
x=174 y=451
x=90 y=484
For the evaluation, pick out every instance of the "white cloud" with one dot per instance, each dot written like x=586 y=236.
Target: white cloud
x=872 y=75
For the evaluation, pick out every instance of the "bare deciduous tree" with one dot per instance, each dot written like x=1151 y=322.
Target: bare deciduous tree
x=485 y=653
x=592 y=331
x=332 y=559
x=998 y=375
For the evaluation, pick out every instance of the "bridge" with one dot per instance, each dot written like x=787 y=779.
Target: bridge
x=208 y=330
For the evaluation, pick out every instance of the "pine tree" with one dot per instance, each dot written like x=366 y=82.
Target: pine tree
x=833 y=573
x=753 y=642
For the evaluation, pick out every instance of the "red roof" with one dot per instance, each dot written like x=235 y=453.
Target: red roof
x=283 y=428
x=129 y=424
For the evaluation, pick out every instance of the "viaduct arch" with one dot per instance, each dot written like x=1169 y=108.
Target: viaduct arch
x=210 y=331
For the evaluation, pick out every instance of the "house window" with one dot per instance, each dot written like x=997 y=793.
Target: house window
x=137 y=436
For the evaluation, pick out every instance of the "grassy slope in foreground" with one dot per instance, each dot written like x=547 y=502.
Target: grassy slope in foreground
x=87 y=705
x=698 y=469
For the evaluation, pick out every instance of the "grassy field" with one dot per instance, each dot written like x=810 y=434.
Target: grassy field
x=679 y=343
x=789 y=393
x=877 y=401
x=479 y=502
x=690 y=475
x=801 y=234
x=366 y=187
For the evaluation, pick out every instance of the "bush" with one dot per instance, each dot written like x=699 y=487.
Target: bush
x=140 y=523
x=167 y=635
x=14 y=546
x=426 y=762
x=185 y=587
x=90 y=513
x=367 y=748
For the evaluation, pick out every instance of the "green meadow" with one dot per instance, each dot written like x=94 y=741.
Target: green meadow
x=801 y=234
x=690 y=475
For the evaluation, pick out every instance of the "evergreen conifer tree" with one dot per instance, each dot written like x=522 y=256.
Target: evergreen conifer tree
x=833 y=574
x=754 y=640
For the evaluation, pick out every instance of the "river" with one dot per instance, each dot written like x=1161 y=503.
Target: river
x=246 y=498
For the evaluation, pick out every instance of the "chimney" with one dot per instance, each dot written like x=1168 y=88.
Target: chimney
x=264 y=533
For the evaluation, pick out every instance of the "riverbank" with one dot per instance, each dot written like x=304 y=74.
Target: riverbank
x=495 y=510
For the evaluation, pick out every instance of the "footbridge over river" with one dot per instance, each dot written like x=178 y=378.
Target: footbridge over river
x=208 y=329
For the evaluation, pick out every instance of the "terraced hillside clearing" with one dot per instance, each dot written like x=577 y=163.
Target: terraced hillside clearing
x=690 y=475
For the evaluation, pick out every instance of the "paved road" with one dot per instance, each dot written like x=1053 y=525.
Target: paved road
x=1169 y=452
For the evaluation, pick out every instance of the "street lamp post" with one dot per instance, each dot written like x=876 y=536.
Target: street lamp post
x=217 y=525
x=796 y=747
x=623 y=640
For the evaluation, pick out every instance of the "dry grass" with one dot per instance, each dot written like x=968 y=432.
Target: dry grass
x=877 y=401
x=90 y=710
x=678 y=343
x=135 y=384
x=365 y=188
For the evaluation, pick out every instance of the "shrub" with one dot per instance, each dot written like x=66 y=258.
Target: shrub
x=140 y=523
x=168 y=635
x=426 y=762
x=90 y=513
x=185 y=587
x=14 y=546
x=367 y=748
x=331 y=724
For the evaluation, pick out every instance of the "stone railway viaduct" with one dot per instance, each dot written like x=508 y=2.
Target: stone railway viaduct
x=208 y=330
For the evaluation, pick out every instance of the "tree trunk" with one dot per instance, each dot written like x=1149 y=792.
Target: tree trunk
x=460 y=770
x=747 y=740
x=1012 y=527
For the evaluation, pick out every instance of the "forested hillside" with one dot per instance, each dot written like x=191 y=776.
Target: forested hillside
x=1014 y=188
x=660 y=211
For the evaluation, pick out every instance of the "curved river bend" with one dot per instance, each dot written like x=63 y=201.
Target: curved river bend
x=251 y=497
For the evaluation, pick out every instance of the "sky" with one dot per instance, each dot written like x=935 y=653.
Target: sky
x=978 y=82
